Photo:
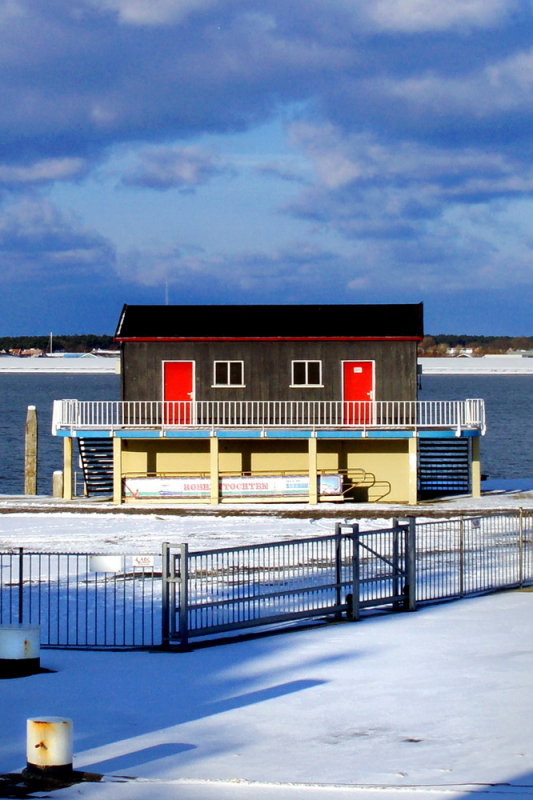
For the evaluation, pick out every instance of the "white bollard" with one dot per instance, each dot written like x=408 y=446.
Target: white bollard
x=49 y=746
x=20 y=650
x=57 y=483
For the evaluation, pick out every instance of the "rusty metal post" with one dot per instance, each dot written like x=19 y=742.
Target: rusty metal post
x=19 y=650
x=49 y=746
x=30 y=452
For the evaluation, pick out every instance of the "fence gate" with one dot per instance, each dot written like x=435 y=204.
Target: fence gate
x=217 y=591
x=384 y=568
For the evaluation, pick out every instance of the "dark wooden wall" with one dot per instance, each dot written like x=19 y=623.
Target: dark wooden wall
x=267 y=368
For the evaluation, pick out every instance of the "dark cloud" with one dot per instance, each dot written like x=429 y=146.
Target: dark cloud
x=79 y=76
x=38 y=245
x=412 y=121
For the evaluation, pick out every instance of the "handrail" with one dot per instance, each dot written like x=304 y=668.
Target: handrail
x=380 y=414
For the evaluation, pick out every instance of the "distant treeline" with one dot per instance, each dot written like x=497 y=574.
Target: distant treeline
x=431 y=345
x=69 y=344
x=479 y=345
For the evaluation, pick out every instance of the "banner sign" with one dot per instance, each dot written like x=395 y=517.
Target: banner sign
x=264 y=486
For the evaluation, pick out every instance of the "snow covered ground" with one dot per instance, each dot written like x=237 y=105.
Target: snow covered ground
x=88 y=364
x=435 y=704
x=486 y=365
x=132 y=529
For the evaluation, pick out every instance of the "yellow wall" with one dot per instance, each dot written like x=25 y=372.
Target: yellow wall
x=385 y=464
x=379 y=469
x=154 y=457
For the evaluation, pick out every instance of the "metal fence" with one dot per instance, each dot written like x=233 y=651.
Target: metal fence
x=84 y=600
x=477 y=554
x=140 y=600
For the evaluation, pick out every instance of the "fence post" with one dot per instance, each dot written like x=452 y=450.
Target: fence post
x=521 y=546
x=21 y=586
x=338 y=575
x=410 y=587
x=395 y=562
x=165 y=599
x=461 y=557
x=356 y=611
x=184 y=595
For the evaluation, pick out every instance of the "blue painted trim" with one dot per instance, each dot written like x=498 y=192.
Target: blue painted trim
x=268 y=434
x=287 y=434
x=186 y=434
x=339 y=434
x=138 y=434
x=94 y=434
x=240 y=434
x=390 y=434
x=465 y=434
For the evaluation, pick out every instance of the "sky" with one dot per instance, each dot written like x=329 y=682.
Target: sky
x=265 y=151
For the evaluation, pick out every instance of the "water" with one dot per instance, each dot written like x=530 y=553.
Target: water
x=507 y=447
x=506 y=450
x=17 y=392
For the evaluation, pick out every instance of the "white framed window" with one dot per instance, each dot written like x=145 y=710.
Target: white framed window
x=228 y=373
x=306 y=373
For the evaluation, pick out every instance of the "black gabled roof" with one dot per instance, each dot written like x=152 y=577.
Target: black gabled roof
x=271 y=321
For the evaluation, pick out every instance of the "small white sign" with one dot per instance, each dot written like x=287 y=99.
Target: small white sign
x=145 y=562
x=105 y=563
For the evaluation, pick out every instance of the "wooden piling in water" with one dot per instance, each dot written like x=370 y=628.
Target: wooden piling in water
x=30 y=452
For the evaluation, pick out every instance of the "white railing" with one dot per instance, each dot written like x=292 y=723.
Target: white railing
x=385 y=414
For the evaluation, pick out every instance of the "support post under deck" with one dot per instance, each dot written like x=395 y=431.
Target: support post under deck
x=213 y=470
x=475 y=468
x=117 y=470
x=313 y=470
x=412 y=490
x=67 y=468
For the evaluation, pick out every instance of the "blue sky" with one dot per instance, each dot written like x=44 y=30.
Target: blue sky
x=277 y=151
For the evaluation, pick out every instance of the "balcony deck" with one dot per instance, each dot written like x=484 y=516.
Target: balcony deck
x=248 y=419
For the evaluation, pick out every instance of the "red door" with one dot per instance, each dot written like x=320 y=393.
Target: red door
x=358 y=391
x=178 y=391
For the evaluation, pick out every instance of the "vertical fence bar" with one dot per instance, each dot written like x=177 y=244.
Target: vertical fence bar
x=395 y=562
x=21 y=586
x=338 y=568
x=356 y=567
x=410 y=552
x=165 y=605
x=521 y=546
x=184 y=595
x=461 y=558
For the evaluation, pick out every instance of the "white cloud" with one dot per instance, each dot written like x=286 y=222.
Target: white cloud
x=173 y=167
x=502 y=86
x=362 y=161
x=153 y=12
x=419 y=16
x=43 y=171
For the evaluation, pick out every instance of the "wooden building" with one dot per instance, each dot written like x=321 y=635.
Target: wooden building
x=301 y=403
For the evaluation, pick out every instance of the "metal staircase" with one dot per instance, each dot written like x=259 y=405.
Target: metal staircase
x=96 y=456
x=443 y=467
